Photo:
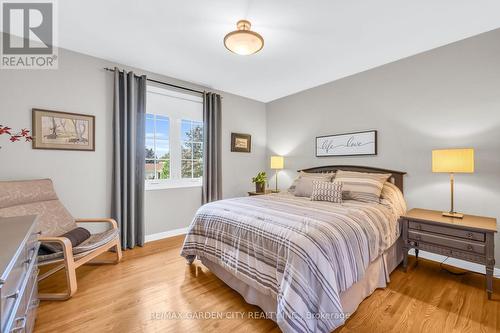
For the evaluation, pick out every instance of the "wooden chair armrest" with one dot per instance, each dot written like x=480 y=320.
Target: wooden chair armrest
x=113 y=223
x=65 y=243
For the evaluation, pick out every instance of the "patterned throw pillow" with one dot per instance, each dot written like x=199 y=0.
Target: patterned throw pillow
x=362 y=186
x=327 y=191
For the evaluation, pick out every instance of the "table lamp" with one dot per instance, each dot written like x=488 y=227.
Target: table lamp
x=277 y=163
x=453 y=161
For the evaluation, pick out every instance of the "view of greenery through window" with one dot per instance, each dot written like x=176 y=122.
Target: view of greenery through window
x=158 y=158
x=192 y=149
x=157 y=147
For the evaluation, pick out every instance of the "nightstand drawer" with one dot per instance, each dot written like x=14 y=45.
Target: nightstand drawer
x=448 y=252
x=442 y=240
x=474 y=235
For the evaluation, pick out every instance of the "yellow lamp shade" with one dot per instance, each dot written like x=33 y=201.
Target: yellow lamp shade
x=453 y=160
x=277 y=162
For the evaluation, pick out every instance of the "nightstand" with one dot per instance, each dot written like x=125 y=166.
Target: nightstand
x=469 y=238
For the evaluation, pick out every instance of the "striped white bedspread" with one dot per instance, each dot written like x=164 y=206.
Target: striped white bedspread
x=304 y=253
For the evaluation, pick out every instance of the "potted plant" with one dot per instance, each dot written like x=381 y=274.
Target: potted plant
x=16 y=136
x=260 y=182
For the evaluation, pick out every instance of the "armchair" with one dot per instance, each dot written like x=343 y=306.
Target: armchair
x=37 y=197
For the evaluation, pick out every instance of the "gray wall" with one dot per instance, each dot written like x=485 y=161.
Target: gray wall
x=447 y=97
x=83 y=179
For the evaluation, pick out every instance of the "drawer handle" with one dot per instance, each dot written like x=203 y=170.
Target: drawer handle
x=30 y=255
x=14 y=295
x=418 y=237
x=469 y=235
x=20 y=327
x=418 y=227
x=469 y=247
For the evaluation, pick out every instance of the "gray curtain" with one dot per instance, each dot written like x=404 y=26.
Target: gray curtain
x=129 y=156
x=212 y=176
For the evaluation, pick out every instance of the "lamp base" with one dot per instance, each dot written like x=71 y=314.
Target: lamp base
x=453 y=215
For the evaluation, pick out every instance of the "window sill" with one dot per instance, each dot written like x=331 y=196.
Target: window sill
x=173 y=185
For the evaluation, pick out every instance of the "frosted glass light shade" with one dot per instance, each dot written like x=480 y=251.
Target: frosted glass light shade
x=453 y=160
x=277 y=162
x=243 y=41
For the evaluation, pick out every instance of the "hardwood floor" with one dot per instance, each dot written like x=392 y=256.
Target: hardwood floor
x=153 y=282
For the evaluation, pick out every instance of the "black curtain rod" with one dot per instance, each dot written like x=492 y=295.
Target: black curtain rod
x=165 y=83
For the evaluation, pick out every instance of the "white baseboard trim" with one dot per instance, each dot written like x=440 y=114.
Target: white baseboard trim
x=166 y=234
x=470 y=266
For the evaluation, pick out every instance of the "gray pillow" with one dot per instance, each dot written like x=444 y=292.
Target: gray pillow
x=304 y=183
x=75 y=236
x=292 y=187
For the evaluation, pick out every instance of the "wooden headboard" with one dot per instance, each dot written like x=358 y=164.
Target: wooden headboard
x=396 y=176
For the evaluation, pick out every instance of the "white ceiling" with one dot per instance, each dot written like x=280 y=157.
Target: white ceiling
x=307 y=43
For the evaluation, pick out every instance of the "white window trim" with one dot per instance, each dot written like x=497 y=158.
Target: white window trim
x=176 y=94
x=164 y=184
x=175 y=181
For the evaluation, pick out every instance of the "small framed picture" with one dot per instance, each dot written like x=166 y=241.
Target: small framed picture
x=241 y=143
x=63 y=130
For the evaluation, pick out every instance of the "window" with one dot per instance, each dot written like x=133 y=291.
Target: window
x=174 y=139
x=192 y=149
x=157 y=147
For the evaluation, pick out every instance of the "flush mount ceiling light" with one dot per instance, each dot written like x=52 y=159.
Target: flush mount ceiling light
x=243 y=41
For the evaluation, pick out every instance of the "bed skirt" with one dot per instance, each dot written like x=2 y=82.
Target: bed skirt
x=376 y=276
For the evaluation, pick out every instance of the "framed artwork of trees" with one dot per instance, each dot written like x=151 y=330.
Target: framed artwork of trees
x=63 y=130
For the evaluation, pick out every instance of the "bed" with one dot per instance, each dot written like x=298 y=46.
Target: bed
x=306 y=264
